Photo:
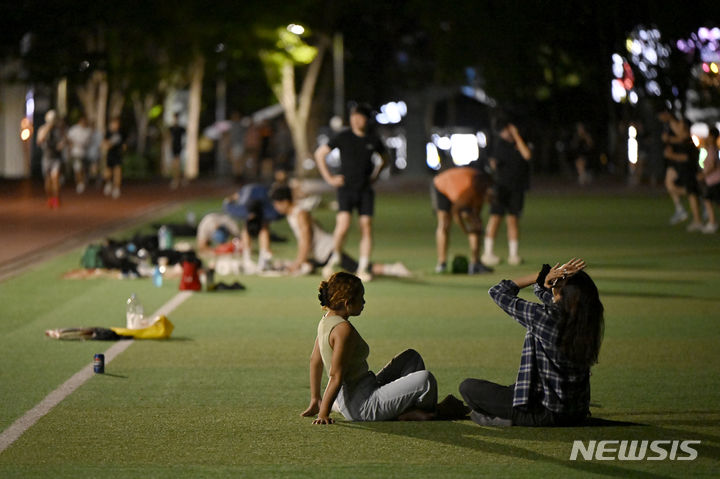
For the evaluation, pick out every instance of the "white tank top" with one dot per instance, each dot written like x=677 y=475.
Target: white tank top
x=357 y=366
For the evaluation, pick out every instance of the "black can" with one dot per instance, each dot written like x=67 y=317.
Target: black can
x=99 y=364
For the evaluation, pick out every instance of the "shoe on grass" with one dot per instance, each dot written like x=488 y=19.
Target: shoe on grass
x=710 y=228
x=490 y=259
x=486 y=420
x=678 y=217
x=695 y=226
x=441 y=268
x=515 y=260
x=478 y=268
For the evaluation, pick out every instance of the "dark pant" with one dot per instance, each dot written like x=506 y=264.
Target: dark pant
x=495 y=400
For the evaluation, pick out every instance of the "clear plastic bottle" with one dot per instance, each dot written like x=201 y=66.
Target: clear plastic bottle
x=135 y=313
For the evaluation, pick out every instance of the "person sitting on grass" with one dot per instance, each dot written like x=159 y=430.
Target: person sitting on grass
x=315 y=246
x=402 y=390
x=562 y=342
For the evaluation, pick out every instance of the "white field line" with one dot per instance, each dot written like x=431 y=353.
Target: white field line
x=16 y=429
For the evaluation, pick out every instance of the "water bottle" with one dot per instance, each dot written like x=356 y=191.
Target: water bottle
x=157 y=276
x=135 y=313
x=165 y=238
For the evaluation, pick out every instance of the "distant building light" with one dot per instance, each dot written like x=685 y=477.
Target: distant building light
x=481 y=139
x=464 y=148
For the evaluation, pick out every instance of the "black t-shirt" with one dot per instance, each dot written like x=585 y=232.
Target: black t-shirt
x=512 y=170
x=176 y=134
x=356 y=152
x=116 y=143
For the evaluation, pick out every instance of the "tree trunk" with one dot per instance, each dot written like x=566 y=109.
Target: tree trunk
x=297 y=109
x=141 y=109
x=197 y=70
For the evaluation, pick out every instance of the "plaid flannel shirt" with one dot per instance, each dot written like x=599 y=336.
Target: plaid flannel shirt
x=545 y=375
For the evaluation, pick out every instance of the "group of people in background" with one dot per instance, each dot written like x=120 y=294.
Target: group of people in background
x=82 y=149
x=684 y=178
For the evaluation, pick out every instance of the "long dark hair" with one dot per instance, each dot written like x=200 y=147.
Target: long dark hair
x=581 y=323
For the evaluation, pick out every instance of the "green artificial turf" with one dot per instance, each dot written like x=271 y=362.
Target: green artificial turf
x=222 y=397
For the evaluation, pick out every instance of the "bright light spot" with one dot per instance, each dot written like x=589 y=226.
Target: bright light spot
x=700 y=130
x=400 y=163
x=308 y=164
x=618 y=91
x=715 y=33
x=633 y=97
x=704 y=33
x=714 y=68
x=651 y=55
x=464 y=148
x=632 y=150
x=392 y=112
x=653 y=88
x=296 y=29
x=617 y=69
x=481 y=139
x=29 y=104
x=706 y=68
x=701 y=157
x=636 y=48
x=629 y=45
x=432 y=156
x=696 y=140
x=643 y=35
x=333 y=158
x=632 y=132
x=444 y=143
x=616 y=58
x=25 y=134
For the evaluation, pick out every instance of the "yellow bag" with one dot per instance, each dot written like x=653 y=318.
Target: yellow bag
x=161 y=328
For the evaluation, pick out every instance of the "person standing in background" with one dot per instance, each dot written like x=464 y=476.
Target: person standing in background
x=177 y=133
x=52 y=141
x=114 y=146
x=509 y=160
x=354 y=184
x=79 y=136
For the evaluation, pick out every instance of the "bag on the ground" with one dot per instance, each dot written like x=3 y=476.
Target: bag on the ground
x=91 y=257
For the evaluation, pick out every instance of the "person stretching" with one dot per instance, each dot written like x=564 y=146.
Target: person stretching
x=562 y=342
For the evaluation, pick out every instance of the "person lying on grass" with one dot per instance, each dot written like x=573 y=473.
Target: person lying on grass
x=562 y=342
x=402 y=390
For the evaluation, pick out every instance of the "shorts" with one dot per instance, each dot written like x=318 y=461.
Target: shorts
x=113 y=161
x=440 y=202
x=712 y=193
x=686 y=176
x=507 y=201
x=51 y=166
x=362 y=200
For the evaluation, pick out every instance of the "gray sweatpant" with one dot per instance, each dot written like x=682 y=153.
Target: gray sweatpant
x=403 y=384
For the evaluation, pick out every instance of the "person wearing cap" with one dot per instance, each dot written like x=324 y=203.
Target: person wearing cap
x=459 y=194
x=358 y=172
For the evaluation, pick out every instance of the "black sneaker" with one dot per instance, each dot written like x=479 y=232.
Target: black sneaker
x=479 y=268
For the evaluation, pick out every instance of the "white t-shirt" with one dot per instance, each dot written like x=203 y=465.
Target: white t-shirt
x=79 y=137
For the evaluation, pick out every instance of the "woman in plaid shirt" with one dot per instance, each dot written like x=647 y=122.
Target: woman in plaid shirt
x=562 y=342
